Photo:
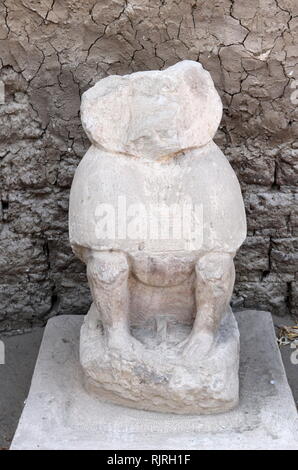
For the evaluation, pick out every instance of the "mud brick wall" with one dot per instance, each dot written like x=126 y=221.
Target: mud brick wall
x=51 y=51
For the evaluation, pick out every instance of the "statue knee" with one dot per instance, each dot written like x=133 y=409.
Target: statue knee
x=215 y=267
x=107 y=267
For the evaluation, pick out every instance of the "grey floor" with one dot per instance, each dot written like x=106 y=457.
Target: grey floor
x=21 y=353
x=15 y=377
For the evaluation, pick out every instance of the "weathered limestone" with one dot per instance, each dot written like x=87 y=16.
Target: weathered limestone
x=156 y=213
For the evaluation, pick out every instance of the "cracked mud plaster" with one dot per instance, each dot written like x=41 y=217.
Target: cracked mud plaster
x=51 y=51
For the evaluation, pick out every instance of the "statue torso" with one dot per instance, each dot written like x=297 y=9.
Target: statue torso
x=189 y=203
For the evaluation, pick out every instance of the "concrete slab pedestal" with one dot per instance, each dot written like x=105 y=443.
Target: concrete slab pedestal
x=60 y=414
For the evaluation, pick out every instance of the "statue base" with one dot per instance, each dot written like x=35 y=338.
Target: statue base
x=60 y=414
x=156 y=376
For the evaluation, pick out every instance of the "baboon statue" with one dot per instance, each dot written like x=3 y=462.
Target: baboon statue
x=156 y=214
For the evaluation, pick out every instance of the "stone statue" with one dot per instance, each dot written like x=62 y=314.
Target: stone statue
x=156 y=214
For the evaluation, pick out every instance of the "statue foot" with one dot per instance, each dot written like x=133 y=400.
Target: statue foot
x=197 y=343
x=121 y=340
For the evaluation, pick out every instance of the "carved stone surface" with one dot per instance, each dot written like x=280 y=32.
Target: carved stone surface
x=156 y=213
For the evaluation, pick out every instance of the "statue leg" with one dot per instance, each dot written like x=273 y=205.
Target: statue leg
x=107 y=274
x=215 y=277
x=93 y=317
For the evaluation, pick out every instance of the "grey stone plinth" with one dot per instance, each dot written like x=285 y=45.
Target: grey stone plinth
x=60 y=414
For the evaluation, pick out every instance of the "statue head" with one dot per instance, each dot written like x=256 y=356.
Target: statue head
x=153 y=115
